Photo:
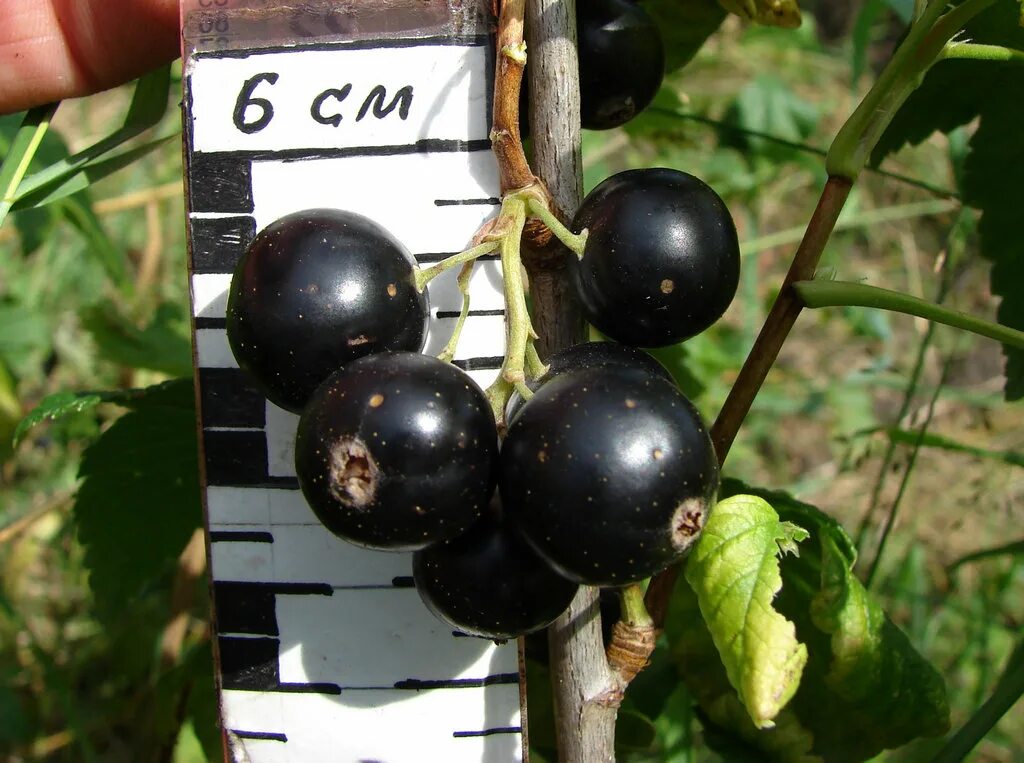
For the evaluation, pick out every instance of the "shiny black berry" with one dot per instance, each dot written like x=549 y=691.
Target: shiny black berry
x=489 y=582
x=621 y=59
x=590 y=355
x=621 y=64
x=662 y=259
x=314 y=291
x=610 y=474
x=396 y=451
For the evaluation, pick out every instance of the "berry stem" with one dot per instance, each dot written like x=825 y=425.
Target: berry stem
x=535 y=367
x=519 y=333
x=580 y=675
x=463 y=280
x=517 y=318
x=633 y=637
x=428 y=274
x=634 y=612
x=497 y=395
x=506 y=142
x=574 y=242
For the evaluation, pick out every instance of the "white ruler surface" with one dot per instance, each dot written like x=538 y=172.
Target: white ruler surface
x=325 y=650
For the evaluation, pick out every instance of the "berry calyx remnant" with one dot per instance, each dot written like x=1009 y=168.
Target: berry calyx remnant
x=396 y=451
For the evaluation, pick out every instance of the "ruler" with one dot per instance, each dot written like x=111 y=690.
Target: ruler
x=324 y=650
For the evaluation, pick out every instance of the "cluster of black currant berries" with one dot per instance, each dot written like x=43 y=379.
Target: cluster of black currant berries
x=606 y=473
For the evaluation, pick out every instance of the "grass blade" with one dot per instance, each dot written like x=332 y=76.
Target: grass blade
x=1009 y=689
x=146 y=109
x=19 y=157
x=1010 y=457
x=1007 y=549
x=90 y=173
x=894 y=510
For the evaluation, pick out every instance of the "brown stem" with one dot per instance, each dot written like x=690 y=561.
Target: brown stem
x=506 y=142
x=586 y=691
x=762 y=356
x=781 y=317
x=555 y=125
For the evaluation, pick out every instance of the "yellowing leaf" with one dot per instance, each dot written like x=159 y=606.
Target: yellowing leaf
x=864 y=688
x=734 y=570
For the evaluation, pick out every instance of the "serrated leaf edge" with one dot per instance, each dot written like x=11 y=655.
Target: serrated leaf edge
x=762 y=707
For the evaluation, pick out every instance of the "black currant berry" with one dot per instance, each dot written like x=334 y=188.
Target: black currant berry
x=621 y=64
x=490 y=582
x=610 y=474
x=622 y=61
x=662 y=260
x=396 y=451
x=315 y=290
x=590 y=355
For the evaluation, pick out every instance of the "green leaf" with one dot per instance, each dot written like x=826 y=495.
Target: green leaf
x=685 y=26
x=61 y=404
x=768 y=105
x=953 y=93
x=163 y=345
x=10 y=411
x=701 y=670
x=203 y=709
x=187 y=747
x=34 y=226
x=58 y=406
x=149 y=101
x=734 y=570
x=864 y=688
x=956 y=91
x=542 y=709
x=17 y=727
x=992 y=173
x=24 y=332
x=79 y=213
x=139 y=501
